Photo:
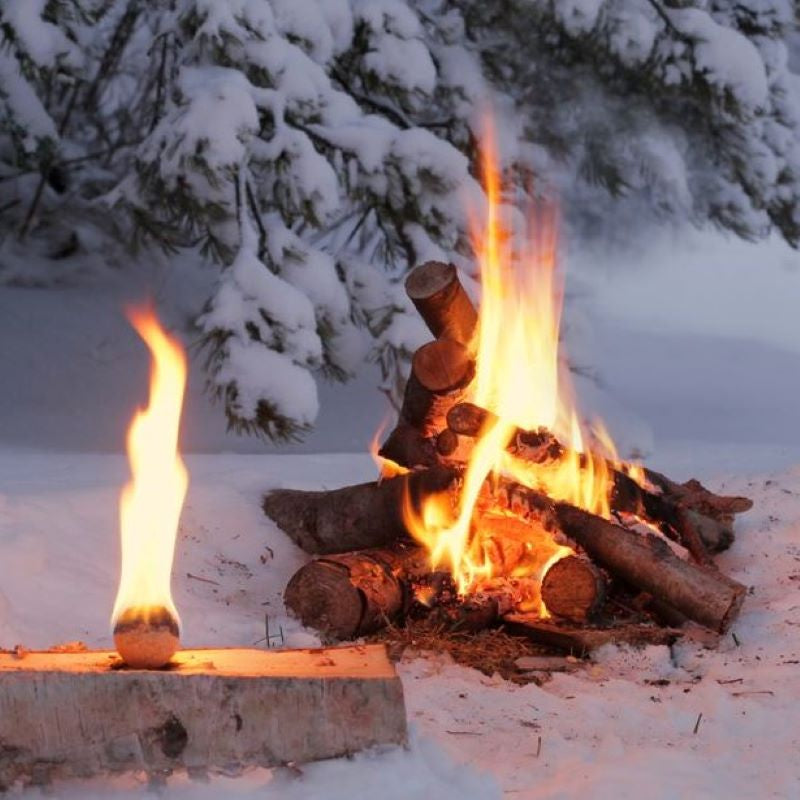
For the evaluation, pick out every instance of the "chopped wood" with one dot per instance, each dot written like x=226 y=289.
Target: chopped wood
x=442 y=302
x=211 y=710
x=354 y=517
x=441 y=372
x=580 y=640
x=574 y=589
x=698 y=533
x=643 y=561
x=352 y=594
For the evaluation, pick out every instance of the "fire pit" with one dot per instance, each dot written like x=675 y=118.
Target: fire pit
x=153 y=707
x=497 y=504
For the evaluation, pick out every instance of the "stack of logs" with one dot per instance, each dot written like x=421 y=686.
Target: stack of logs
x=371 y=572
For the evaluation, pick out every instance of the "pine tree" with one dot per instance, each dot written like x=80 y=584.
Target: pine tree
x=316 y=149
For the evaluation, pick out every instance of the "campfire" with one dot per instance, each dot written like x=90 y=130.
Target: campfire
x=496 y=503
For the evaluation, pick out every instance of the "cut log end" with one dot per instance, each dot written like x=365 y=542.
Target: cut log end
x=438 y=295
x=443 y=366
x=574 y=589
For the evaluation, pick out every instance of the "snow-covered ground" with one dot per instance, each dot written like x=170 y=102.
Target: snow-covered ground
x=700 y=362
x=607 y=731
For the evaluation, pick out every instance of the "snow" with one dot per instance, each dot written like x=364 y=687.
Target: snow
x=606 y=731
x=726 y=58
x=699 y=360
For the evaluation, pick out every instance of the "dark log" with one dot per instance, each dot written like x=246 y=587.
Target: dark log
x=441 y=372
x=349 y=595
x=574 y=589
x=355 y=517
x=693 y=496
x=643 y=561
x=698 y=533
x=579 y=641
x=407 y=447
x=438 y=295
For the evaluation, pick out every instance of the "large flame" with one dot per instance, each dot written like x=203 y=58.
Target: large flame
x=520 y=378
x=151 y=502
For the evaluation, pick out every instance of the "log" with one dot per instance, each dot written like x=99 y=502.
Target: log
x=693 y=496
x=643 y=561
x=698 y=533
x=580 y=640
x=441 y=372
x=438 y=295
x=574 y=589
x=354 y=517
x=352 y=594
x=66 y=715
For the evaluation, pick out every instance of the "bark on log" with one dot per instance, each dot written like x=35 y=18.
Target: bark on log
x=700 y=534
x=441 y=372
x=644 y=561
x=354 y=517
x=579 y=641
x=349 y=595
x=574 y=589
x=438 y=295
x=66 y=715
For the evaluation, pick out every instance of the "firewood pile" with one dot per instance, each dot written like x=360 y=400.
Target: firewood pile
x=642 y=574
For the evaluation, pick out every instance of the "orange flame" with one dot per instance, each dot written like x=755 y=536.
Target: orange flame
x=150 y=504
x=521 y=379
x=386 y=467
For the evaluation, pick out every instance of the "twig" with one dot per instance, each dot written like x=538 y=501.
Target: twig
x=464 y=733
x=697 y=724
x=204 y=580
x=732 y=680
x=752 y=691
x=538 y=746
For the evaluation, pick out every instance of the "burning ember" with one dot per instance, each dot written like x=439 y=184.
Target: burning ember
x=521 y=379
x=145 y=620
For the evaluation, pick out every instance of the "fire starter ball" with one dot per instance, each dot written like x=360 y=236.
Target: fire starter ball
x=146 y=637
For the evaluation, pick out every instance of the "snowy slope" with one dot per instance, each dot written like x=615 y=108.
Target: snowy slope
x=606 y=731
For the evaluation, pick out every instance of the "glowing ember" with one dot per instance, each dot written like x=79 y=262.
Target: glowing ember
x=522 y=380
x=145 y=620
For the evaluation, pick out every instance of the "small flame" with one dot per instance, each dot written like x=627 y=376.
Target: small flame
x=150 y=504
x=520 y=378
x=386 y=467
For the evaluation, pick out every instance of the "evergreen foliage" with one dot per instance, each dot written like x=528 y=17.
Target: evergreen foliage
x=318 y=148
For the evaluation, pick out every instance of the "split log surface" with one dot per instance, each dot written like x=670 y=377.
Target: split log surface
x=66 y=715
x=643 y=561
x=354 y=517
x=349 y=595
x=442 y=302
x=574 y=589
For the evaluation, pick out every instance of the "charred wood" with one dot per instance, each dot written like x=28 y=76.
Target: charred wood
x=643 y=561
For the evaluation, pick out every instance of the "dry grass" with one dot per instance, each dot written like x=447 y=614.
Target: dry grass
x=490 y=651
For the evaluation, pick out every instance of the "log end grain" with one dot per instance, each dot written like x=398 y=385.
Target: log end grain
x=574 y=589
